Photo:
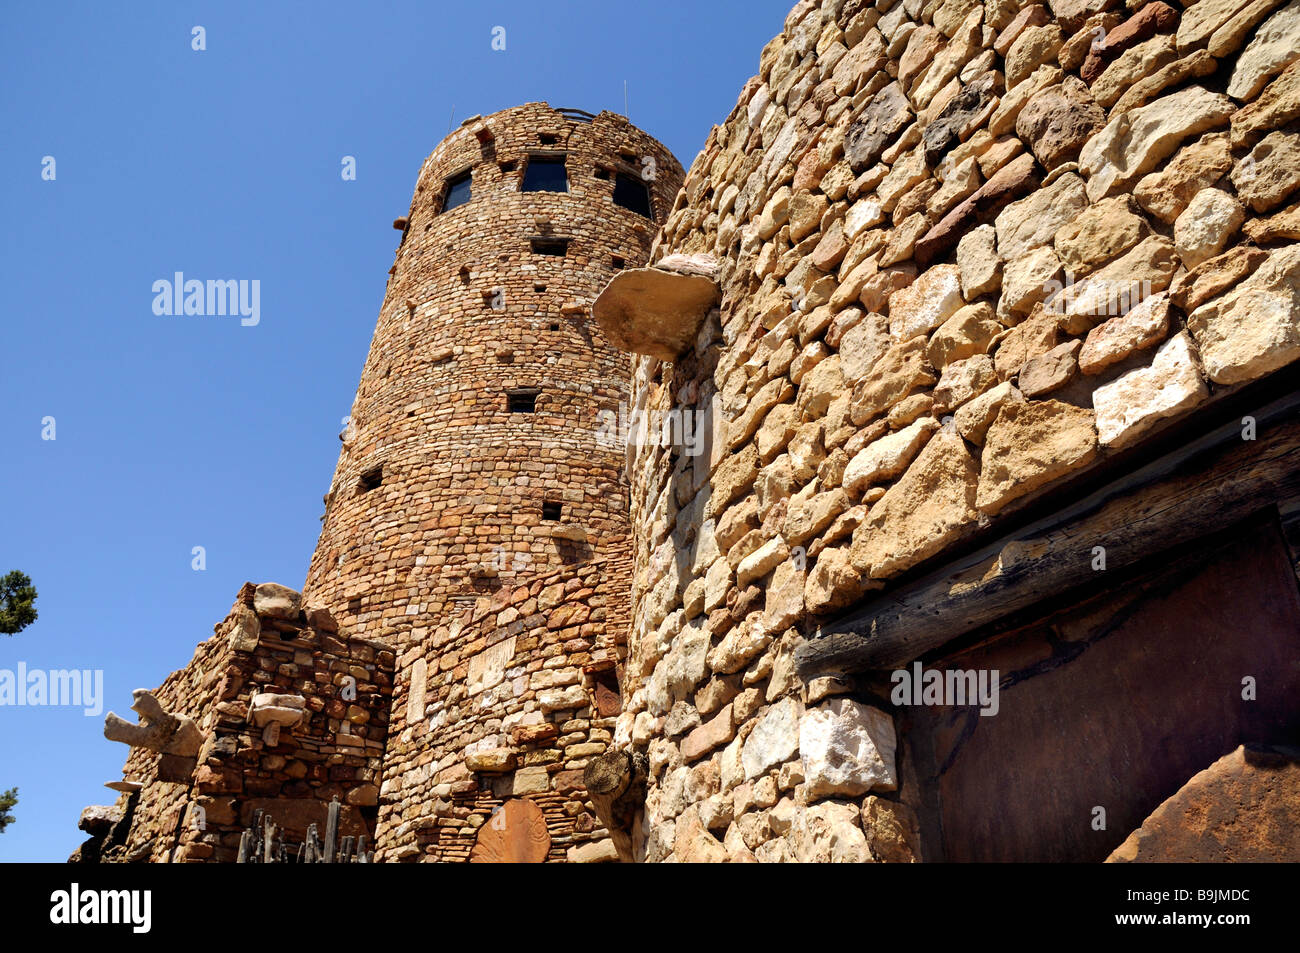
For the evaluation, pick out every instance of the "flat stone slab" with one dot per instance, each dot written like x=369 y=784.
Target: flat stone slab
x=656 y=311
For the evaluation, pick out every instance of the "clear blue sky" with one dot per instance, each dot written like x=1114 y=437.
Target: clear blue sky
x=176 y=432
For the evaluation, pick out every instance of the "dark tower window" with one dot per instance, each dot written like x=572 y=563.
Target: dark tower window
x=549 y=246
x=551 y=511
x=522 y=401
x=458 y=189
x=631 y=193
x=370 y=479
x=618 y=263
x=545 y=174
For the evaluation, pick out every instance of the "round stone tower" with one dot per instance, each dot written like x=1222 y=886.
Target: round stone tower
x=478 y=517
x=474 y=452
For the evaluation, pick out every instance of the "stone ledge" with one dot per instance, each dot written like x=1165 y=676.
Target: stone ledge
x=658 y=311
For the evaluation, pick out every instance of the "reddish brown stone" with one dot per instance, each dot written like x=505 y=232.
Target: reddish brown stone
x=1013 y=180
x=515 y=834
x=1244 y=808
x=608 y=702
x=1152 y=19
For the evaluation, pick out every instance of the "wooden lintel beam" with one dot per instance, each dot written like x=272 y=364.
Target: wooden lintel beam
x=1206 y=486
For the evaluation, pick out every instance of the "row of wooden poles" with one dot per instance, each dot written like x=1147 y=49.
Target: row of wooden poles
x=264 y=843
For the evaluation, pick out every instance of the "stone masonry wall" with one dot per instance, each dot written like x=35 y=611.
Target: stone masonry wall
x=966 y=249
x=195 y=809
x=519 y=692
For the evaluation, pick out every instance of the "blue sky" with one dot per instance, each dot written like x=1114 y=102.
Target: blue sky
x=176 y=432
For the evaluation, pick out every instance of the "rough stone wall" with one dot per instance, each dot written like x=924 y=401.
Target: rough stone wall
x=195 y=809
x=509 y=700
x=470 y=312
x=967 y=250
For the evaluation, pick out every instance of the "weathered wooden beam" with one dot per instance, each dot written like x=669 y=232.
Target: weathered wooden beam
x=268 y=842
x=615 y=783
x=331 y=831
x=1206 y=486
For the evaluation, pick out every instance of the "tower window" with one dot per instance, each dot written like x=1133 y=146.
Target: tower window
x=549 y=246
x=458 y=191
x=631 y=193
x=370 y=479
x=618 y=263
x=522 y=401
x=545 y=174
x=551 y=511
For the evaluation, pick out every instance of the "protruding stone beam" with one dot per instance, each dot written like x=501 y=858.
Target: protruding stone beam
x=158 y=730
x=271 y=712
x=98 y=819
x=658 y=311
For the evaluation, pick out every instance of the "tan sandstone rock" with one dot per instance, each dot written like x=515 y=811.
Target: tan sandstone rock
x=977 y=257
x=928 y=508
x=1136 y=401
x=1269 y=172
x=655 y=311
x=1112 y=341
x=847 y=748
x=1166 y=192
x=1270 y=51
x=1134 y=142
x=1029 y=445
x=1254 y=328
x=887 y=457
x=1098 y=234
x=1211 y=218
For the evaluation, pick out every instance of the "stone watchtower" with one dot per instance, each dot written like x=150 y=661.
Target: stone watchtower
x=471 y=451
x=473 y=460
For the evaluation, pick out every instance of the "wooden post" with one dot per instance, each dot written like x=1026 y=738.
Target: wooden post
x=615 y=782
x=268 y=842
x=331 y=830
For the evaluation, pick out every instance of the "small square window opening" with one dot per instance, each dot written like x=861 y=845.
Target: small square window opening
x=521 y=402
x=458 y=191
x=631 y=193
x=549 y=246
x=545 y=174
x=370 y=480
